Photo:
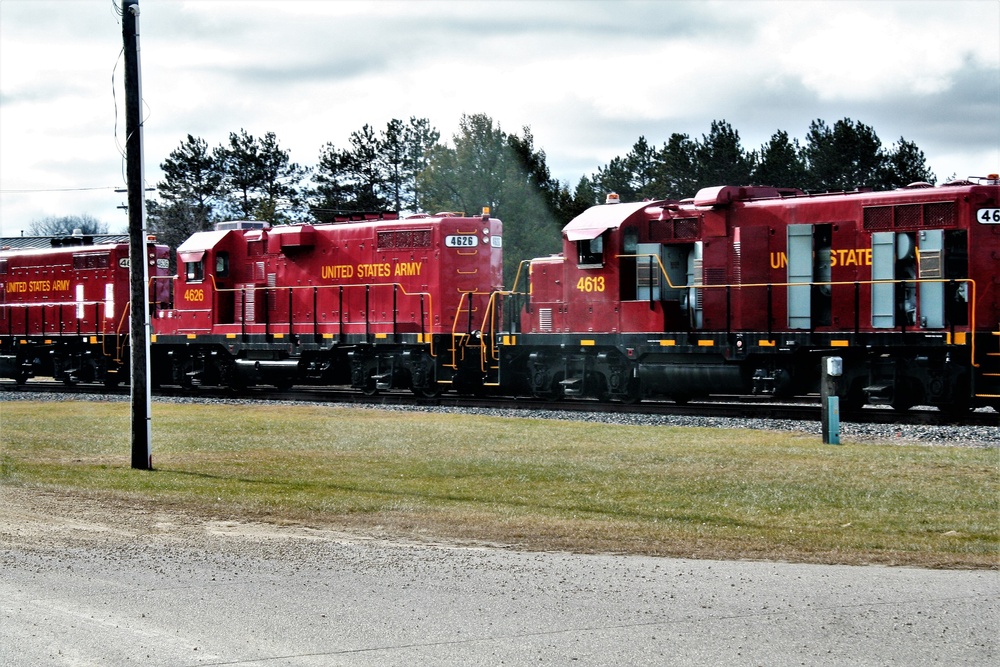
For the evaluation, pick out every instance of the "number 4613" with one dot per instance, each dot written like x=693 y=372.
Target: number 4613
x=591 y=284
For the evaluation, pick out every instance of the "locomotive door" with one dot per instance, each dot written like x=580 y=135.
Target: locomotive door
x=694 y=275
x=883 y=269
x=809 y=271
x=682 y=263
x=930 y=266
x=649 y=281
x=800 y=276
x=901 y=259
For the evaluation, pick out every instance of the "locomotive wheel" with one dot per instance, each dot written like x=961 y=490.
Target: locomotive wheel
x=21 y=375
x=554 y=392
x=434 y=391
x=370 y=386
x=633 y=393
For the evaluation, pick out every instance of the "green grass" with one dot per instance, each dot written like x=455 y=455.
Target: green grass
x=536 y=484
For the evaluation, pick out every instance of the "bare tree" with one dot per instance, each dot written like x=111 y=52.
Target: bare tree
x=67 y=224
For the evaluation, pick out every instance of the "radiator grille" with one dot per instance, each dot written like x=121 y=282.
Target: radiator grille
x=404 y=238
x=878 y=218
x=910 y=216
x=686 y=228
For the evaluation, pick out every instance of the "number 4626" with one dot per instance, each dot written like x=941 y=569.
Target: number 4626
x=591 y=284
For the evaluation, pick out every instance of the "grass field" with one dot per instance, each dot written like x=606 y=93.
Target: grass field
x=535 y=484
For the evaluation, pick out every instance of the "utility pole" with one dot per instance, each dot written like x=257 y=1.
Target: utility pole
x=139 y=329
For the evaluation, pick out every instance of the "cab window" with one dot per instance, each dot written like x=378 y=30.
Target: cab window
x=195 y=271
x=590 y=252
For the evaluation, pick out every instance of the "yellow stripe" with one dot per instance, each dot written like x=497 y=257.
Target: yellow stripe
x=668 y=343
x=279 y=335
x=765 y=343
x=840 y=343
x=706 y=343
x=379 y=336
x=192 y=336
x=587 y=343
x=152 y=339
x=230 y=335
x=327 y=335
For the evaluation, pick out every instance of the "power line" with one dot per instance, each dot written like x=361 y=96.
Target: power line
x=107 y=187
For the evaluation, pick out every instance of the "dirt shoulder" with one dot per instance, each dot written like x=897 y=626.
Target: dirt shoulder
x=41 y=519
x=45 y=519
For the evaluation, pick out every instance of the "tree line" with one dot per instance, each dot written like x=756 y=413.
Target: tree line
x=847 y=156
x=405 y=166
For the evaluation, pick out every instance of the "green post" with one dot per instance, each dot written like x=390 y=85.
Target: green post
x=830 y=373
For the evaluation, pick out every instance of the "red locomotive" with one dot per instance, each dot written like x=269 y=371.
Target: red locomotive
x=376 y=302
x=743 y=289
x=739 y=290
x=64 y=309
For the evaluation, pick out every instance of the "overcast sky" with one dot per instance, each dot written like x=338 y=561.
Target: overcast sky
x=588 y=77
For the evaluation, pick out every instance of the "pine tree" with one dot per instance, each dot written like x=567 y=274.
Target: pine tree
x=780 y=164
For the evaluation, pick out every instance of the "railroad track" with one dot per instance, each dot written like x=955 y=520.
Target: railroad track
x=720 y=407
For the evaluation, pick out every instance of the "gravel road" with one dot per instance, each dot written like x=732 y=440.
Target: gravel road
x=87 y=582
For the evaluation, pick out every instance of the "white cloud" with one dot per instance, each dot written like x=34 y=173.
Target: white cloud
x=863 y=51
x=588 y=77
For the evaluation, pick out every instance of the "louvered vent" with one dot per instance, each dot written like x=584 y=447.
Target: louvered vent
x=545 y=319
x=715 y=276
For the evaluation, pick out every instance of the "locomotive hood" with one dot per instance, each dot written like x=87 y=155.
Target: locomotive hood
x=596 y=220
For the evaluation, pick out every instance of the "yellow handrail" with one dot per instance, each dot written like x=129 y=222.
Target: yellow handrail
x=970 y=281
x=425 y=328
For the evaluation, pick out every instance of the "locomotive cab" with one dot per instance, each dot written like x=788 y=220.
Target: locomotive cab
x=204 y=293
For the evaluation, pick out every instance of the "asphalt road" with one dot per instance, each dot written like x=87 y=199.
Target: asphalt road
x=233 y=594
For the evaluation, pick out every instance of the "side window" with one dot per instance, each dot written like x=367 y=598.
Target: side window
x=630 y=239
x=590 y=252
x=221 y=264
x=195 y=271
